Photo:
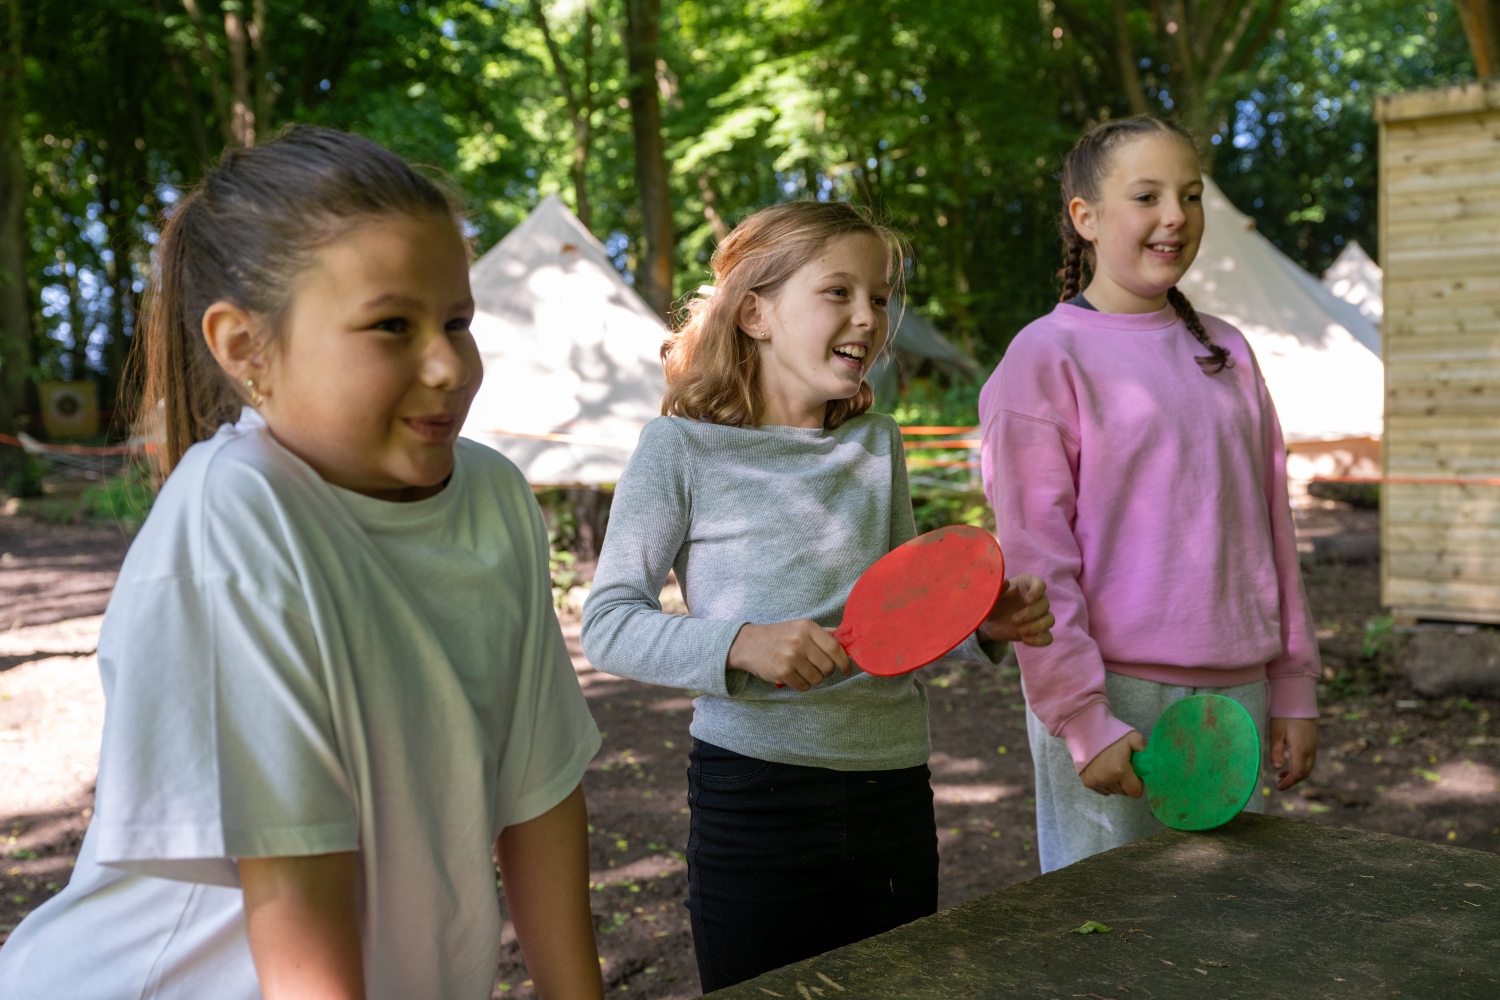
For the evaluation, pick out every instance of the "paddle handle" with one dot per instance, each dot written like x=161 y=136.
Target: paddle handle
x=844 y=634
x=1140 y=762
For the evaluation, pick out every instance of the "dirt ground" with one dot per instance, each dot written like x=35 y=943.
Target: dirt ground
x=1391 y=762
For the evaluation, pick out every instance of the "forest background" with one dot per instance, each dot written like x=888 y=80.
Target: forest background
x=664 y=122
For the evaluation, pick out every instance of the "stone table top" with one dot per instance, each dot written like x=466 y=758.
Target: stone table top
x=1261 y=909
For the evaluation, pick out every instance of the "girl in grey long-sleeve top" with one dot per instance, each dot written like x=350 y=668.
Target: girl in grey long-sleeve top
x=770 y=489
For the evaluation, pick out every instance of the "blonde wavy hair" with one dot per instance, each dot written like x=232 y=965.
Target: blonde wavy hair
x=712 y=366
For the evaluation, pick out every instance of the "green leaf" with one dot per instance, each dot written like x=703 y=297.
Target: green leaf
x=1092 y=927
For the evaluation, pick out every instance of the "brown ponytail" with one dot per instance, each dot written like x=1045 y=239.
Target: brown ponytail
x=245 y=235
x=1083 y=169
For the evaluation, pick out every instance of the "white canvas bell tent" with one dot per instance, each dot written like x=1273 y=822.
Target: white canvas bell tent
x=1357 y=279
x=1320 y=357
x=572 y=362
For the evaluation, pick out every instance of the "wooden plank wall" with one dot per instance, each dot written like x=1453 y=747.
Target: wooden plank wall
x=1440 y=248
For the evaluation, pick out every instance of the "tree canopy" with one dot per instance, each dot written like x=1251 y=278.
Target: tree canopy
x=950 y=118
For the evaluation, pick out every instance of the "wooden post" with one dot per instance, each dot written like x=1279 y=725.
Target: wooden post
x=1440 y=249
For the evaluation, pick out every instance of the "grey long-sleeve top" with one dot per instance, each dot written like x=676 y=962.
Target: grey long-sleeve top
x=762 y=525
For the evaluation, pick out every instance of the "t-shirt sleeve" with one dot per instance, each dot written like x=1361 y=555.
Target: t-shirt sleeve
x=552 y=736
x=218 y=739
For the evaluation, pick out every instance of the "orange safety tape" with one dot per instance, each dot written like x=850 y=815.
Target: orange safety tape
x=940 y=463
x=974 y=443
x=915 y=431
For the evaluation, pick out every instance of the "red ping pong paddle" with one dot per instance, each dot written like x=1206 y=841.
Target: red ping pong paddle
x=921 y=599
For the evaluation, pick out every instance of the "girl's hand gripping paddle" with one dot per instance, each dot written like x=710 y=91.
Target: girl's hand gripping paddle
x=1201 y=763
x=921 y=599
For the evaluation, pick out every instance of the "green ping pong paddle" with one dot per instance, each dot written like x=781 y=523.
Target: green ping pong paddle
x=1201 y=764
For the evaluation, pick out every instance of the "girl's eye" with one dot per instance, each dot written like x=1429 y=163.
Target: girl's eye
x=879 y=301
x=460 y=325
x=1145 y=198
x=1195 y=197
x=837 y=291
x=394 y=324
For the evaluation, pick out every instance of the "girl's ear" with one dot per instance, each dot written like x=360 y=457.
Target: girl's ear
x=752 y=316
x=1085 y=219
x=234 y=341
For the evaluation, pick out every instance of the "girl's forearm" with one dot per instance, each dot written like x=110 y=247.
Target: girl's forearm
x=544 y=863
x=623 y=634
x=303 y=926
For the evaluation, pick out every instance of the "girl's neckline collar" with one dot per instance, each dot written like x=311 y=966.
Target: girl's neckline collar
x=1160 y=319
x=399 y=513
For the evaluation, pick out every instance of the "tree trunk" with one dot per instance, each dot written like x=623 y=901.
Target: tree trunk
x=242 y=112
x=1481 y=20
x=189 y=93
x=118 y=265
x=653 y=276
x=210 y=66
x=15 y=294
x=265 y=95
x=1130 y=76
x=580 y=105
x=78 y=353
x=711 y=210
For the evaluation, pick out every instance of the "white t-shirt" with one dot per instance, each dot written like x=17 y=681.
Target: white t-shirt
x=291 y=669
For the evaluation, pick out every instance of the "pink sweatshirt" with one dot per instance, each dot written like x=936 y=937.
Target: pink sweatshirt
x=1152 y=499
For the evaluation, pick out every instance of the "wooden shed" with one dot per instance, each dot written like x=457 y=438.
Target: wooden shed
x=1440 y=248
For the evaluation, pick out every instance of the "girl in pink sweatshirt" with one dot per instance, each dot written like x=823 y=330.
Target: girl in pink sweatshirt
x=1135 y=463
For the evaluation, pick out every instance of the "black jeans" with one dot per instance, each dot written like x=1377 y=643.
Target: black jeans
x=787 y=862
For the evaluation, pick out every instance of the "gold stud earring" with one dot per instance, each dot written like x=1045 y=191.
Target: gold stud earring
x=255 y=396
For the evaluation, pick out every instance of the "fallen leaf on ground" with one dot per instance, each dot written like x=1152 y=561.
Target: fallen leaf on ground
x=1092 y=927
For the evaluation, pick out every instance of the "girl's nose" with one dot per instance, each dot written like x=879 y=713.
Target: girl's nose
x=1173 y=214
x=442 y=366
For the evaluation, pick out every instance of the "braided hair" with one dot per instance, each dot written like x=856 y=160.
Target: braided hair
x=1083 y=169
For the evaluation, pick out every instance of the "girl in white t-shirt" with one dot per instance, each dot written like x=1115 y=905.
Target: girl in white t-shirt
x=336 y=689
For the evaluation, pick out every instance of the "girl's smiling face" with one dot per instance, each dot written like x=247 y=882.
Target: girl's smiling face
x=818 y=333
x=375 y=368
x=1146 y=224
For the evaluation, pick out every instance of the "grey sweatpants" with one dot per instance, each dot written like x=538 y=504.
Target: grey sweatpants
x=1074 y=822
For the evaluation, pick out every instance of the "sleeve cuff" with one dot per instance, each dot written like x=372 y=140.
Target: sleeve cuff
x=207 y=854
x=1090 y=731
x=1294 y=697
x=720 y=679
